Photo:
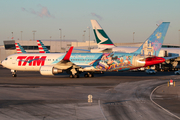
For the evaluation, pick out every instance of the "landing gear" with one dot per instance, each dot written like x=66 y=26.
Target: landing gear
x=74 y=73
x=74 y=76
x=14 y=73
x=89 y=75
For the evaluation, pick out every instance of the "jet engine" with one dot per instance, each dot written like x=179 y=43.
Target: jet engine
x=49 y=70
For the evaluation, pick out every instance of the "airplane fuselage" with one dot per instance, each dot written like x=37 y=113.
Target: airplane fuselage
x=97 y=61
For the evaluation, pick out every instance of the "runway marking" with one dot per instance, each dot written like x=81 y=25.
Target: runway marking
x=101 y=109
x=161 y=106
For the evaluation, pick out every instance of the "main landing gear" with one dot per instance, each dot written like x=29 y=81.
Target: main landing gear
x=74 y=76
x=88 y=75
x=14 y=73
x=74 y=73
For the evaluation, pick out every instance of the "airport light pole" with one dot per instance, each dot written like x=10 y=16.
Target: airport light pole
x=33 y=34
x=89 y=36
x=60 y=38
x=179 y=36
x=60 y=34
x=12 y=35
x=133 y=36
x=21 y=35
x=84 y=36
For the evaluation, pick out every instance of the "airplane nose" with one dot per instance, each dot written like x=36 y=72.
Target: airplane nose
x=3 y=63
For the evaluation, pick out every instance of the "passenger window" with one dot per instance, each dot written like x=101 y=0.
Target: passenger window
x=6 y=59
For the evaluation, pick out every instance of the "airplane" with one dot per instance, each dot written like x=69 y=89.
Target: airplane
x=105 y=44
x=76 y=63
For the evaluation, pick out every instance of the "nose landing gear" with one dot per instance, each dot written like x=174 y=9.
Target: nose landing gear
x=14 y=73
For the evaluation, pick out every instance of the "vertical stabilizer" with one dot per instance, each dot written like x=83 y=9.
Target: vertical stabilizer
x=153 y=44
x=42 y=47
x=101 y=37
x=19 y=48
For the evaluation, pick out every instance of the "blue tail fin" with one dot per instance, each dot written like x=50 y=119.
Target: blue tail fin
x=153 y=44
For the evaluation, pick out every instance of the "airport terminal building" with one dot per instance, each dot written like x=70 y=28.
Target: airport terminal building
x=54 y=46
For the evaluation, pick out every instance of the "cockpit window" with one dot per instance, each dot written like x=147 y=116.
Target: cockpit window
x=6 y=58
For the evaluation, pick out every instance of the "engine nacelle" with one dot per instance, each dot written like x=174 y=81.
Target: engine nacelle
x=49 y=70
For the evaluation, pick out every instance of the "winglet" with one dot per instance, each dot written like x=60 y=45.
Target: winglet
x=68 y=54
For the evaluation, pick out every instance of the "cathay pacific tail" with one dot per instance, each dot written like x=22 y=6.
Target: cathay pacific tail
x=102 y=39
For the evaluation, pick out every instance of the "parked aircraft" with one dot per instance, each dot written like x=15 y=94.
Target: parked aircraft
x=42 y=47
x=19 y=48
x=106 y=44
x=75 y=63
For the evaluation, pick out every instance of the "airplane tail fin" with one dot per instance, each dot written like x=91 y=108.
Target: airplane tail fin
x=153 y=44
x=102 y=39
x=19 y=48
x=42 y=47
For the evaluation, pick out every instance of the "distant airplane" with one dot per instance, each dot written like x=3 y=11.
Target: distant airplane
x=76 y=63
x=42 y=47
x=19 y=48
x=108 y=45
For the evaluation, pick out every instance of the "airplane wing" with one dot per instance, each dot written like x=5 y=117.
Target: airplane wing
x=65 y=63
x=168 y=58
x=82 y=50
x=98 y=50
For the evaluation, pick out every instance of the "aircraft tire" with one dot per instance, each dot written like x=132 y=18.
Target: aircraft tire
x=86 y=75
x=14 y=75
x=76 y=76
x=71 y=76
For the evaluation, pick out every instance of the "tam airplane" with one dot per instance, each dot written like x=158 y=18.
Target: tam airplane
x=42 y=48
x=19 y=48
x=76 y=63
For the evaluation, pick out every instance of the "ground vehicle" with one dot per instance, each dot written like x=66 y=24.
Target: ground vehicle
x=150 y=71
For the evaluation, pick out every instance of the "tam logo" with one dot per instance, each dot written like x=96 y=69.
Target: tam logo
x=32 y=60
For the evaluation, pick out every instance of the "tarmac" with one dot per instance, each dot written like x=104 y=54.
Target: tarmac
x=108 y=96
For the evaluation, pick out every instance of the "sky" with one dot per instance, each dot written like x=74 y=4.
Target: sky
x=119 y=19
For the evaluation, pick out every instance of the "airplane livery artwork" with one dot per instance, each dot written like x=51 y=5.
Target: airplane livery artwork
x=111 y=62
